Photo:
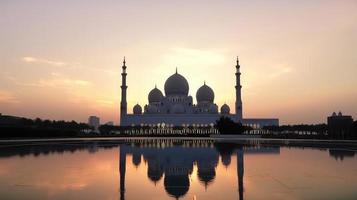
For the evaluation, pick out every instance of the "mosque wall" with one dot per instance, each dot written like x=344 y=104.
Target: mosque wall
x=190 y=119
x=174 y=119
x=260 y=122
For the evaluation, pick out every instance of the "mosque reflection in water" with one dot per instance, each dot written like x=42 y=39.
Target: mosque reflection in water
x=173 y=160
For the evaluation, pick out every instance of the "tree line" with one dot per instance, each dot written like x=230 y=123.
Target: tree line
x=226 y=126
x=316 y=131
x=23 y=127
x=300 y=128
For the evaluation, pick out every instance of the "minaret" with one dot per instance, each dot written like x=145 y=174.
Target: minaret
x=123 y=104
x=239 y=113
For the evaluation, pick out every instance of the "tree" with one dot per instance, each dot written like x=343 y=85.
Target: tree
x=226 y=125
x=354 y=129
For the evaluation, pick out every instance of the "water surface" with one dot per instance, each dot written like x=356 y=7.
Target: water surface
x=175 y=169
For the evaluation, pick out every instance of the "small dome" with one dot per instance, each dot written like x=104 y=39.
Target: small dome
x=213 y=108
x=205 y=93
x=176 y=84
x=225 y=109
x=178 y=109
x=137 y=109
x=152 y=109
x=155 y=95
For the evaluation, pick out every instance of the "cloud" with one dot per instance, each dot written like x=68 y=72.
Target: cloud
x=56 y=74
x=106 y=103
x=194 y=57
x=7 y=97
x=279 y=71
x=81 y=82
x=59 y=82
x=30 y=59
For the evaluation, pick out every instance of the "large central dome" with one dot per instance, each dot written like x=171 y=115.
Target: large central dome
x=176 y=84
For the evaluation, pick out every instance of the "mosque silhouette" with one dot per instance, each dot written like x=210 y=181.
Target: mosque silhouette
x=177 y=108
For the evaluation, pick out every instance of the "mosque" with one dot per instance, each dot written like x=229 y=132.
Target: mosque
x=176 y=107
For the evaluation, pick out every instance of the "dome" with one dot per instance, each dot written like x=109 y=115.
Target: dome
x=176 y=84
x=155 y=95
x=152 y=109
x=137 y=109
x=178 y=109
x=225 y=109
x=205 y=93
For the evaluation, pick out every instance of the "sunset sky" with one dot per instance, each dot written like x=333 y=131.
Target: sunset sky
x=62 y=59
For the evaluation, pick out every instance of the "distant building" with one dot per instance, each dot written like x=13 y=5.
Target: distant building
x=339 y=125
x=94 y=121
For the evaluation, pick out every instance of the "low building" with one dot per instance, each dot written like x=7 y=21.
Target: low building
x=94 y=122
x=339 y=125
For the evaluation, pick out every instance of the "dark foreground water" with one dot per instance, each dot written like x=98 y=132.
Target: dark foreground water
x=175 y=169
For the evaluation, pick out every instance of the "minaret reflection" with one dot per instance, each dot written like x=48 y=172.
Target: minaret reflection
x=174 y=160
x=240 y=171
x=122 y=166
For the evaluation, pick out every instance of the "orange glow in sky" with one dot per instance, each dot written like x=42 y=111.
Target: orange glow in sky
x=62 y=59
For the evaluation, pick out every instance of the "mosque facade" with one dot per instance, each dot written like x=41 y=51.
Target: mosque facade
x=177 y=108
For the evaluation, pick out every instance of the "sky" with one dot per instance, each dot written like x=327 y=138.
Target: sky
x=62 y=59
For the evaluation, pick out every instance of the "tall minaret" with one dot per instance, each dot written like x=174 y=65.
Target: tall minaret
x=123 y=104
x=239 y=112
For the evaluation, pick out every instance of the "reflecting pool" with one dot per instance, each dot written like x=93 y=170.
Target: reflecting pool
x=176 y=169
